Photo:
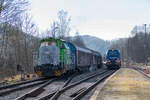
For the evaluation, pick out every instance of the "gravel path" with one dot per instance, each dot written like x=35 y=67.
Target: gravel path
x=126 y=84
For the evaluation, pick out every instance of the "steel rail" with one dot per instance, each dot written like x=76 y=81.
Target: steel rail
x=85 y=91
x=51 y=94
x=58 y=93
x=20 y=83
x=36 y=90
x=5 y=92
x=141 y=71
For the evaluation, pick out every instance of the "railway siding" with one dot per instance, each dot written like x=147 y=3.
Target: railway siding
x=126 y=84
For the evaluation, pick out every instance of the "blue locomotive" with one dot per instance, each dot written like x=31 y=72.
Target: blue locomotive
x=57 y=57
x=113 y=60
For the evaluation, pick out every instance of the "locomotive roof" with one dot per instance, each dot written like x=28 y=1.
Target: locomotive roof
x=48 y=39
x=87 y=50
x=96 y=53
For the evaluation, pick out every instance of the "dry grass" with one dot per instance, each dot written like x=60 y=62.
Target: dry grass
x=143 y=66
x=146 y=68
x=16 y=78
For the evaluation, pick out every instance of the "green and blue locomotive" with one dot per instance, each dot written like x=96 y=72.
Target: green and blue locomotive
x=57 y=57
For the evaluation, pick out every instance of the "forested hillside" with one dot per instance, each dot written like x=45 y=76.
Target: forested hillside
x=96 y=43
x=16 y=47
x=17 y=37
x=135 y=48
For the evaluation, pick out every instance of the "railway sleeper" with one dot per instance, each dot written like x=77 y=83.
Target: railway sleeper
x=77 y=92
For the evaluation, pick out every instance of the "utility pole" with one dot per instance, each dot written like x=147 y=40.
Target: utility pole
x=136 y=29
x=145 y=40
x=145 y=27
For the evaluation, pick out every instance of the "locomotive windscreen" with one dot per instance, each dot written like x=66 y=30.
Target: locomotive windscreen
x=49 y=54
x=113 y=53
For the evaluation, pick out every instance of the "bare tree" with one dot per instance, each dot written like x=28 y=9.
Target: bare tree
x=60 y=28
x=54 y=29
x=16 y=41
x=11 y=9
x=63 y=24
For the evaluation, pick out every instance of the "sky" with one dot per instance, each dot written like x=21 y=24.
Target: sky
x=106 y=19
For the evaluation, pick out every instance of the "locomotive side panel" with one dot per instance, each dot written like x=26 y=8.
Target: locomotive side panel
x=72 y=56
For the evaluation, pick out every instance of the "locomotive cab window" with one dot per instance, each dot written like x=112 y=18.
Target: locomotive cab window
x=48 y=44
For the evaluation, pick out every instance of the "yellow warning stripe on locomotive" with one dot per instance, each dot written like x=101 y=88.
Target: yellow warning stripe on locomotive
x=39 y=73
x=59 y=72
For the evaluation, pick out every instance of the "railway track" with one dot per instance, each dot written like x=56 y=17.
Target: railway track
x=141 y=71
x=55 y=95
x=35 y=91
x=20 y=83
x=53 y=88
x=86 y=90
x=34 y=94
x=19 y=91
x=5 y=90
x=52 y=93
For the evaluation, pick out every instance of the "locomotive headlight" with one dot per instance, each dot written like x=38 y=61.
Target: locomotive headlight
x=104 y=62
x=107 y=60
x=118 y=60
